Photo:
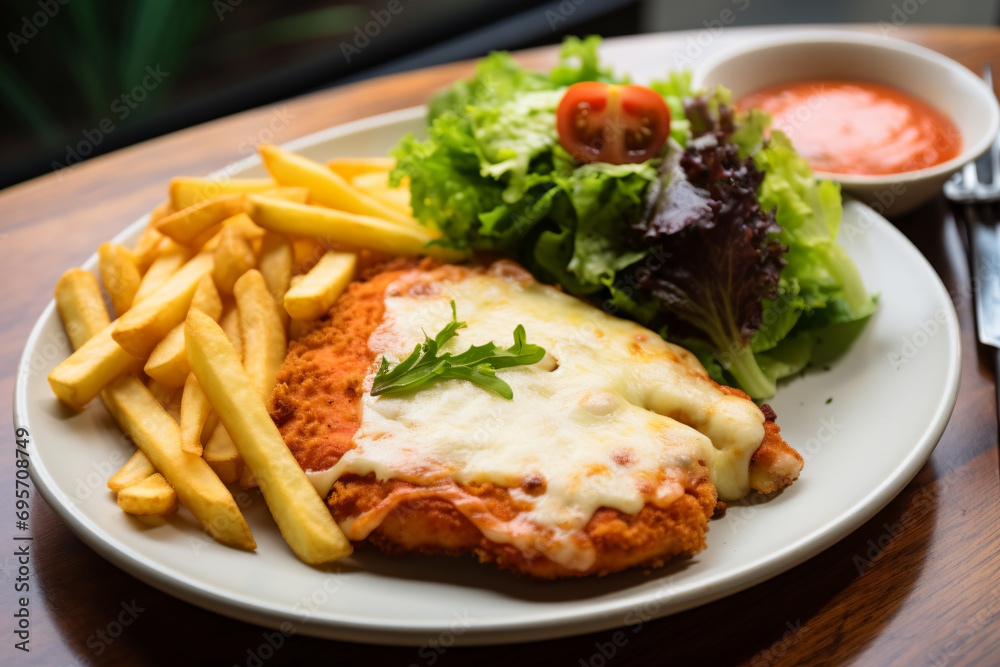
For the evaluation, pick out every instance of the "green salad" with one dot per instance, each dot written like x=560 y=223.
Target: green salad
x=722 y=241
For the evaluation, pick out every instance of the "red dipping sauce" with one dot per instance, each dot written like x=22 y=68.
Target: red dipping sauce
x=853 y=127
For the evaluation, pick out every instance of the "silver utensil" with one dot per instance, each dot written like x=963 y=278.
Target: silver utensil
x=971 y=189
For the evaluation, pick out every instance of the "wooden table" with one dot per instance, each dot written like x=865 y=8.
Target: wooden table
x=930 y=596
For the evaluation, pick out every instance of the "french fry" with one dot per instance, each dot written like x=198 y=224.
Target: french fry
x=301 y=515
x=245 y=226
x=159 y=438
x=359 y=230
x=210 y=424
x=230 y=323
x=152 y=496
x=288 y=193
x=174 y=409
x=146 y=323
x=376 y=184
x=242 y=223
x=262 y=331
x=162 y=210
x=349 y=167
x=147 y=247
x=275 y=266
x=120 y=274
x=306 y=251
x=186 y=192
x=374 y=180
x=81 y=377
x=325 y=186
x=170 y=258
x=167 y=362
x=195 y=410
x=247 y=480
x=78 y=300
x=219 y=450
x=233 y=257
x=221 y=454
x=312 y=296
x=188 y=224
x=207 y=298
x=163 y=394
x=92 y=367
x=134 y=471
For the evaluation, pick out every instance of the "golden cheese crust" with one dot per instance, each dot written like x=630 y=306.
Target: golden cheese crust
x=317 y=408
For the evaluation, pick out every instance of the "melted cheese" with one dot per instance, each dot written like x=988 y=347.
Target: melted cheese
x=613 y=416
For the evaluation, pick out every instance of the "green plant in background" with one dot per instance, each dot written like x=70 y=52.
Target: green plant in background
x=88 y=55
x=64 y=71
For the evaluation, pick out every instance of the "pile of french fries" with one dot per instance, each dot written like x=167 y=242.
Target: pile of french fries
x=225 y=273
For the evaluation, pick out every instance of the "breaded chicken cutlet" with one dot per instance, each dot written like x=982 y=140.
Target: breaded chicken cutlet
x=614 y=452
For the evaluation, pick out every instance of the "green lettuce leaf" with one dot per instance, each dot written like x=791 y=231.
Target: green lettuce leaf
x=605 y=198
x=823 y=291
x=809 y=213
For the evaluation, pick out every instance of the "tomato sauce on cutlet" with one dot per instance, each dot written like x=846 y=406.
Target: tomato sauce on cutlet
x=317 y=402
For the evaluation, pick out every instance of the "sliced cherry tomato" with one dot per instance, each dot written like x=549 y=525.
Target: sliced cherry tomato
x=599 y=122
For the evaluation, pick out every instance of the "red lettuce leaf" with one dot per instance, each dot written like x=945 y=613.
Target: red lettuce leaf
x=723 y=258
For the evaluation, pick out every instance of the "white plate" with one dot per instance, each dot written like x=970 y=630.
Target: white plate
x=891 y=395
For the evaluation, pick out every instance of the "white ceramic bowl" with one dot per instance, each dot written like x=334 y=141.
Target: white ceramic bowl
x=835 y=54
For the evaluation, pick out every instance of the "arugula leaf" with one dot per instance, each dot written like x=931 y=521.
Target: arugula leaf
x=478 y=364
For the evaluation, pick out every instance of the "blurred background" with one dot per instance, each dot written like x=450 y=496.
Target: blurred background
x=79 y=78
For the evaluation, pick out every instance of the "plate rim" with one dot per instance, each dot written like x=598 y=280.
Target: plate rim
x=415 y=632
